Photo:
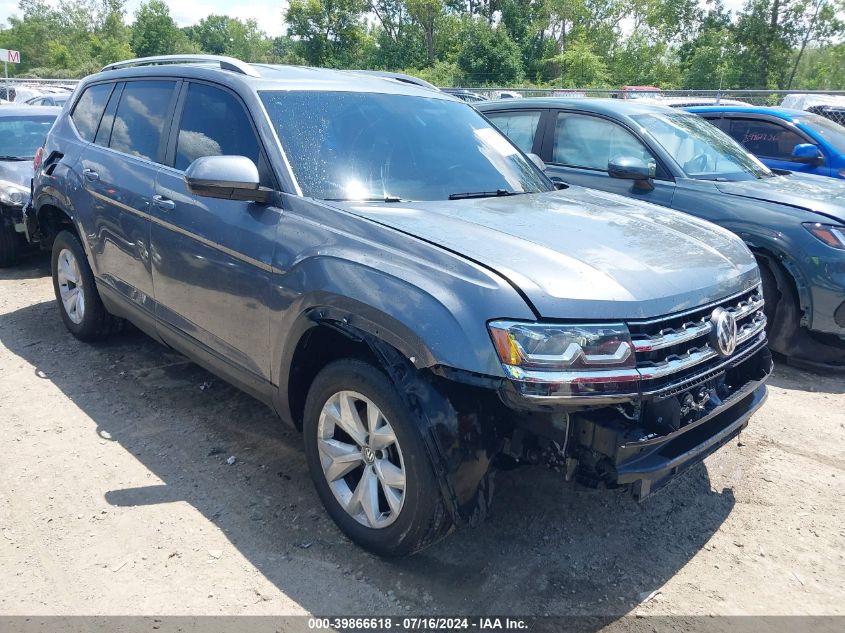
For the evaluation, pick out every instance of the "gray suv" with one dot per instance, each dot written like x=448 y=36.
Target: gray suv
x=394 y=277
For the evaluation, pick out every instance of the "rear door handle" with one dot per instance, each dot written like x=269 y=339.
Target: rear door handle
x=90 y=174
x=165 y=204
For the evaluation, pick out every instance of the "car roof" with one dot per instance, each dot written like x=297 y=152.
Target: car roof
x=22 y=110
x=275 y=77
x=611 y=107
x=782 y=113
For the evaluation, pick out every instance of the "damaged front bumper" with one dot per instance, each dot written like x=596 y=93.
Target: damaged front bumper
x=645 y=442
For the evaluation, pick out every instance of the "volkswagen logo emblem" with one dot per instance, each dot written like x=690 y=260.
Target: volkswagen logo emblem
x=723 y=336
x=369 y=455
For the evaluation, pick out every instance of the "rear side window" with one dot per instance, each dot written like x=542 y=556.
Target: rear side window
x=520 y=127
x=763 y=138
x=140 y=118
x=89 y=110
x=214 y=123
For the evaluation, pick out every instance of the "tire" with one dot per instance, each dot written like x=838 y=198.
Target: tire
x=10 y=245
x=421 y=518
x=84 y=316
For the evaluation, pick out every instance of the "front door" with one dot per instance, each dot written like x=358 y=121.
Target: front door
x=773 y=142
x=582 y=145
x=211 y=257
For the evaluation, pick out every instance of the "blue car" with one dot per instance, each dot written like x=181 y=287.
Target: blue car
x=791 y=140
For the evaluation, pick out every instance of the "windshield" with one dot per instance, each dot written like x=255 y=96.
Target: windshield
x=360 y=145
x=829 y=130
x=21 y=136
x=702 y=150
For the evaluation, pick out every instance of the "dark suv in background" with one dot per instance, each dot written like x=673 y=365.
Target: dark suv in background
x=394 y=277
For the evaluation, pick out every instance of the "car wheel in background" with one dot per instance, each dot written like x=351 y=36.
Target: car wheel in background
x=369 y=462
x=10 y=245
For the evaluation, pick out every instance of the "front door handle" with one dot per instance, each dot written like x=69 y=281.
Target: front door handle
x=165 y=204
x=90 y=174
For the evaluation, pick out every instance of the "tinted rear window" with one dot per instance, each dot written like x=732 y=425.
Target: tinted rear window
x=139 y=121
x=89 y=110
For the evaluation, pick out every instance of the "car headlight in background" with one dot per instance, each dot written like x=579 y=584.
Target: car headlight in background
x=833 y=236
x=12 y=194
x=566 y=360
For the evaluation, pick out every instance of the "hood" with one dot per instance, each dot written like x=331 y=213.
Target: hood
x=584 y=254
x=16 y=171
x=812 y=193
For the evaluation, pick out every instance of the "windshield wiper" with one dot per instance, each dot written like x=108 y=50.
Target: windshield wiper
x=383 y=199
x=15 y=157
x=483 y=194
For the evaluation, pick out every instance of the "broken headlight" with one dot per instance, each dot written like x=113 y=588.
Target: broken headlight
x=562 y=360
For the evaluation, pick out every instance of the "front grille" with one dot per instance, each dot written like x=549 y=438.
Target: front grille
x=675 y=352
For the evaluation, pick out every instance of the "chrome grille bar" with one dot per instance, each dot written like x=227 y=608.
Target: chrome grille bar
x=702 y=354
x=692 y=330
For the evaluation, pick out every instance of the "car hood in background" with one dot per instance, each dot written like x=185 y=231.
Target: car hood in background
x=16 y=171
x=813 y=193
x=584 y=254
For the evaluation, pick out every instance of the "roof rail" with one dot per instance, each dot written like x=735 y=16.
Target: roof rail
x=226 y=63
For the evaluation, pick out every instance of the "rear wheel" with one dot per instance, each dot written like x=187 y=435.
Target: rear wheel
x=369 y=462
x=76 y=293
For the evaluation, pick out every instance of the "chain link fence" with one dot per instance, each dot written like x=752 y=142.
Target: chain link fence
x=830 y=104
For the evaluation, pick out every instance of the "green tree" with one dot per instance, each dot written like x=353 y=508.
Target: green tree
x=581 y=67
x=426 y=13
x=155 y=33
x=327 y=32
x=488 y=55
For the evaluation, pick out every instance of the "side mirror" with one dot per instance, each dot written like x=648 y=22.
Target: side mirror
x=808 y=154
x=225 y=177
x=628 y=168
x=537 y=161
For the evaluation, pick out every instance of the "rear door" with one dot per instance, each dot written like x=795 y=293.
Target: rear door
x=580 y=145
x=772 y=141
x=118 y=176
x=211 y=257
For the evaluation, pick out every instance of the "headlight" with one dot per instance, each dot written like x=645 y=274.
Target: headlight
x=562 y=347
x=12 y=195
x=833 y=236
x=567 y=361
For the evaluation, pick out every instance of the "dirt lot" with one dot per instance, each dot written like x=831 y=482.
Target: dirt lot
x=118 y=499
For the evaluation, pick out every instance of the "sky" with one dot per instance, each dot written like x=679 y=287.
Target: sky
x=268 y=13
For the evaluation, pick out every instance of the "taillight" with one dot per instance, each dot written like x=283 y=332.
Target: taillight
x=36 y=160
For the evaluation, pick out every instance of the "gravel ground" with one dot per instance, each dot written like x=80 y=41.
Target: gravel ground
x=118 y=499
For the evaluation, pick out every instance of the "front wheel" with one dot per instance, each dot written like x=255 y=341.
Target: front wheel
x=79 y=303
x=369 y=463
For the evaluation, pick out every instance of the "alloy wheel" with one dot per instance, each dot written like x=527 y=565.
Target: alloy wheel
x=70 y=286
x=361 y=459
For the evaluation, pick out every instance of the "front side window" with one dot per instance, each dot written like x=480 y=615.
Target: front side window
x=702 y=150
x=764 y=138
x=89 y=110
x=360 y=145
x=140 y=118
x=520 y=127
x=214 y=124
x=21 y=136
x=591 y=142
x=829 y=130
